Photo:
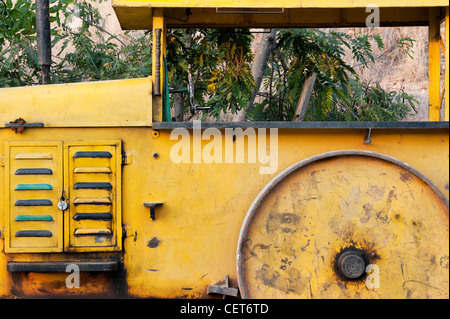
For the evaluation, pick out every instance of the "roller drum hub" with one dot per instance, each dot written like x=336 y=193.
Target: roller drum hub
x=351 y=265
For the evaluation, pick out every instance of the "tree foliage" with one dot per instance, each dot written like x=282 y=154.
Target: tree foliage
x=18 y=57
x=339 y=94
x=217 y=62
x=95 y=53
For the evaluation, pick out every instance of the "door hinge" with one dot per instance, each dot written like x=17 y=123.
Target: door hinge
x=128 y=232
x=2 y=160
x=126 y=158
x=2 y=232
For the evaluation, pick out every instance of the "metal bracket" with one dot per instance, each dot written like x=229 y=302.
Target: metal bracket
x=153 y=208
x=367 y=135
x=224 y=289
x=195 y=108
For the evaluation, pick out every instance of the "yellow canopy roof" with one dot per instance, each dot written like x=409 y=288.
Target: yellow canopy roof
x=278 y=3
x=137 y=14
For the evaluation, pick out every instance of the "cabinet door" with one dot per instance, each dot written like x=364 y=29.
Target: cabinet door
x=93 y=180
x=33 y=185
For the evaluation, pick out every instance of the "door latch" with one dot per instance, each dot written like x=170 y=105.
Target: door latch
x=62 y=202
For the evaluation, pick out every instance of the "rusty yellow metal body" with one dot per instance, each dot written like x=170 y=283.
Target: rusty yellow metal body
x=192 y=242
x=94 y=180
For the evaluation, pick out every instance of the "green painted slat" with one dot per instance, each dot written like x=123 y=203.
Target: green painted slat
x=33 y=218
x=22 y=187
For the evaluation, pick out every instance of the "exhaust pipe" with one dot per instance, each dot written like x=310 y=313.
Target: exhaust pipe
x=43 y=38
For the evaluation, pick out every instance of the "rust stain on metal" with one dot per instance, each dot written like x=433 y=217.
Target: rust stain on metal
x=367 y=208
x=255 y=249
x=444 y=262
x=18 y=129
x=154 y=242
x=376 y=193
x=382 y=215
x=276 y=278
x=285 y=222
x=406 y=176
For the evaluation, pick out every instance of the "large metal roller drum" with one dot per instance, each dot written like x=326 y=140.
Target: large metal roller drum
x=346 y=224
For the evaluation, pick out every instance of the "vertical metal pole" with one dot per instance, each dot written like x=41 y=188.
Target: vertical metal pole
x=446 y=87
x=43 y=38
x=158 y=63
x=158 y=52
x=434 y=64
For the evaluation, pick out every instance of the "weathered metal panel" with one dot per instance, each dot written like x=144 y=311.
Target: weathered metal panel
x=103 y=103
x=30 y=196
x=192 y=242
x=87 y=186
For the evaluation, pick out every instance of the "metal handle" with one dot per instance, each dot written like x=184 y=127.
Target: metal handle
x=250 y=12
x=24 y=125
x=158 y=63
x=20 y=124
